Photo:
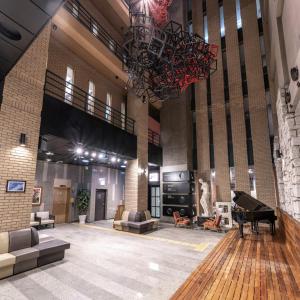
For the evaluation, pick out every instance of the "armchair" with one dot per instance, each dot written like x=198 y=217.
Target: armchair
x=213 y=224
x=46 y=218
x=34 y=220
x=178 y=220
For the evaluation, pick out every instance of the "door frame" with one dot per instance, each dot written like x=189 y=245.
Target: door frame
x=105 y=205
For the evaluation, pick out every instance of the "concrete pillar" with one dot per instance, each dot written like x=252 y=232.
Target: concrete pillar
x=222 y=178
x=20 y=113
x=136 y=178
x=203 y=154
x=257 y=105
x=236 y=103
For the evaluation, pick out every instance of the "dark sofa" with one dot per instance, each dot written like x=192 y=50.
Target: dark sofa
x=21 y=251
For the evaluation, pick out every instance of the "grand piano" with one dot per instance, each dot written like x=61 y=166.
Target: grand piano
x=249 y=209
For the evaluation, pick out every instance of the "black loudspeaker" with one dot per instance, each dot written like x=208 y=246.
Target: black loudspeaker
x=179 y=187
x=178 y=199
x=184 y=211
x=178 y=176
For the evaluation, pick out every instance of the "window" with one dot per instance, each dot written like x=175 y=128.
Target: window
x=205 y=29
x=69 y=85
x=155 y=201
x=258 y=9
x=95 y=29
x=108 y=106
x=91 y=98
x=222 y=23
x=75 y=9
x=123 y=115
x=238 y=14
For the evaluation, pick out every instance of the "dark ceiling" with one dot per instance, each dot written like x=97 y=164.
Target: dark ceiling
x=20 y=23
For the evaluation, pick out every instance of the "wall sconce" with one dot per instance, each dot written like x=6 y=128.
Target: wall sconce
x=22 y=139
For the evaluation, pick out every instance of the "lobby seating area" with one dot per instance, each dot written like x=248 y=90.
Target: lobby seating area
x=135 y=221
x=42 y=219
x=21 y=250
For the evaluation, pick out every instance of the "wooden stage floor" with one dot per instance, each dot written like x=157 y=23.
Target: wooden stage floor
x=256 y=267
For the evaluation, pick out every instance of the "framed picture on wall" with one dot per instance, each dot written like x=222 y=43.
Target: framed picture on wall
x=37 y=196
x=15 y=186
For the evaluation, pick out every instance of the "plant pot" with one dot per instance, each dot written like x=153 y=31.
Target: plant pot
x=82 y=219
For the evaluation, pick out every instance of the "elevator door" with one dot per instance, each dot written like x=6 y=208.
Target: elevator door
x=61 y=202
x=100 y=206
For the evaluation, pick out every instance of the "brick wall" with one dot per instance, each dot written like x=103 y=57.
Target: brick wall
x=264 y=173
x=136 y=185
x=222 y=179
x=236 y=103
x=20 y=113
x=60 y=57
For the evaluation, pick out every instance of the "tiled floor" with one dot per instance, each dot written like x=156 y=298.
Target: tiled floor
x=106 y=264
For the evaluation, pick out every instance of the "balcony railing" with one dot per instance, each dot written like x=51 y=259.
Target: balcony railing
x=86 y=19
x=57 y=87
x=153 y=137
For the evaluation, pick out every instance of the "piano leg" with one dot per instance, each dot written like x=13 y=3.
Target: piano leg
x=272 y=227
x=241 y=228
x=256 y=227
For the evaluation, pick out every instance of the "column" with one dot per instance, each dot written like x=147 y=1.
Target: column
x=136 y=177
x=218 y=108
x=20 y=113
x=257 y=106
x=238 y=126
x=203 y=154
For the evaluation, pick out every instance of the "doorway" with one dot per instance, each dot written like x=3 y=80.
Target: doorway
x=100 y=205
x=61 y=204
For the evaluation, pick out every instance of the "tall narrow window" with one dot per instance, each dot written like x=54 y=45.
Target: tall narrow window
x=258 y=9
x=108 y=106
x=205 y=29
x=123 y=115
x=238 y=14
x=95 y=29
x=222 y=23
x=91 y=98
x=69 y=85
x=75 y=9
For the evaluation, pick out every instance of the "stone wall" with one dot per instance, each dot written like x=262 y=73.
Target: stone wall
x=288 y=163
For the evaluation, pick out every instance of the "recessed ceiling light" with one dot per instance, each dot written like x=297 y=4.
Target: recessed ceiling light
x=49 y=153
x=101 y=155
x=123 y=166
x=85 y=161
x=113 y=159
x=125 y=162
x=48 y=159
x=118 y=160
x=94 y=154
x=86 y=153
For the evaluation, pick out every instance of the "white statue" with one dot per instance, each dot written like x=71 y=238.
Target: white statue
x=205 y=198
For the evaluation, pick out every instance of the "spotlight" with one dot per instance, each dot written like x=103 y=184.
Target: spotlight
x=48 y=159
x=49 y=153
x=123 y=166
x=113 y=159
x=118 y=160
x=86 y=153
x=22 y=139
x=78 y=150
x=85 y=161
x=125 y=162
x=101 y=155
x=93 y=154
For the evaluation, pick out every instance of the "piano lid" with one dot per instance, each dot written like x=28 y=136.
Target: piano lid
x=247 y=202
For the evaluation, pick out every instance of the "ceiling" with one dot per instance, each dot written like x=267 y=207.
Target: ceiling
x=20 y=23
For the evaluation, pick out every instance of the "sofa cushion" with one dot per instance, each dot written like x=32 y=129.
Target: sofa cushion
x=19 y=239
x=25 y=254
x=34 y=223
x=44 y=215
x=34 y=237
x=125 y=215
x=52 y=246
x=136 y=216
x=44 y=222
x=7 y=259
x=144 y=224
x=32 y=217
x=4 y=242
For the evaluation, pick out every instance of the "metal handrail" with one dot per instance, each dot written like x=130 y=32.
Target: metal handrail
x=153 y=137
x=75 y=8
x=57 y=87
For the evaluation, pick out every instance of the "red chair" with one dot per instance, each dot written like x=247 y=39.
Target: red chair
x=178 y=220
x=213 y=224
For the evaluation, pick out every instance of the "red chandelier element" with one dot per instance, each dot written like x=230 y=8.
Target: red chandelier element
x=159 y=11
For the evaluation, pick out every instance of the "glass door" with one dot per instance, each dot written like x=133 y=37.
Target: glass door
x=155 y=201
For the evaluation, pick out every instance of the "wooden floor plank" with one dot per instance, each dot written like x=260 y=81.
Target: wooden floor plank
x=257 y=267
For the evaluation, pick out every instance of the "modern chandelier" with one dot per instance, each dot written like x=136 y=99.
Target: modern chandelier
x=161 y=58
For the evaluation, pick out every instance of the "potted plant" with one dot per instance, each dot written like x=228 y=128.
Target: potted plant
x=83 y=200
